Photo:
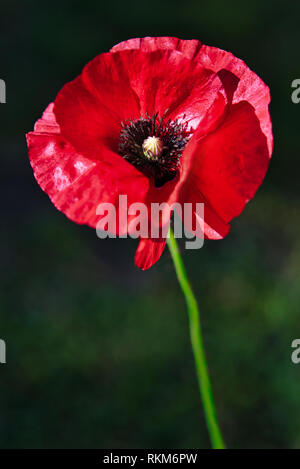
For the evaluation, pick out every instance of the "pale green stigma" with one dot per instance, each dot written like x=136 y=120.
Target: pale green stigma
x=153 y=147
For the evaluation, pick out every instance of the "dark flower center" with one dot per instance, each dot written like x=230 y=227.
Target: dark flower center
x=154 y=146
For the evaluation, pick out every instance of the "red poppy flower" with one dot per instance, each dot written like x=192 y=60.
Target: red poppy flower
x=205 y=111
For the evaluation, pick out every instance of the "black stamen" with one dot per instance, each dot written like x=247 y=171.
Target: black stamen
x=173 y=135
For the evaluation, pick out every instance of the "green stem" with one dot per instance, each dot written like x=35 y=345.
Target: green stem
x=197 y=346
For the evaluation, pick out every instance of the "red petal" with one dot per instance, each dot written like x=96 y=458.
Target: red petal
x=90 y=109
x=188 y=192
x=227 y=166
x=250 y=87
x=126 y=85
x=189 y=48
x=167 y=81
x=74 y=183
x=149 y=252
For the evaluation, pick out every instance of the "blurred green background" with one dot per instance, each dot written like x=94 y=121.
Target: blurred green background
x=98 y=354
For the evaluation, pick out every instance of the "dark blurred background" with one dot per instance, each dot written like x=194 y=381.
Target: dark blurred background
x=98 y=353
